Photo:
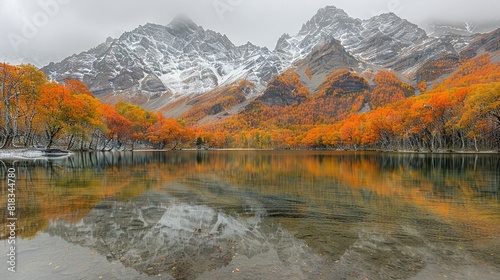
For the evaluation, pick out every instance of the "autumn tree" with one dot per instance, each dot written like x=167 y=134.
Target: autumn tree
x=9 y=90
x=314 y=138
x=389 y=89
x=352 y=132
x=54 y=110
x=166 y=132
x=383 y=127
x=482 y=117
x=118 y=128
x=20 y=91
x=76 y=87
x=89 y=120
x=422 y=86
x=141 y=119
x=60 y=111
x=32 y=82
x=285 y=90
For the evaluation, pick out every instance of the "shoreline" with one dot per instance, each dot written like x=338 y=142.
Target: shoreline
x=329 y=150
x=41 y=153
x=310 y=150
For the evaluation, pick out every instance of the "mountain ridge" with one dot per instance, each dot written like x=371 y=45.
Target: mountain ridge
x=155 y=65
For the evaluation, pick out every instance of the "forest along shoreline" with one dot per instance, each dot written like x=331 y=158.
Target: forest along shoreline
x=462 y=113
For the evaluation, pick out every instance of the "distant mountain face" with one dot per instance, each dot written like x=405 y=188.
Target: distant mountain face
x=180 y=58
x=155 y=65
x=378 y=40
x=439 y=28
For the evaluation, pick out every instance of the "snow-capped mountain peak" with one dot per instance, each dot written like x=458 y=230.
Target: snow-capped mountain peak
x=325 y=17
x=182 y=58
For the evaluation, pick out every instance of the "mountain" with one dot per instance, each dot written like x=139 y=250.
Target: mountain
x=182 y=63
x=489 y=42
x=439 y=28
x=379 y=40
x=174 y=60
x=23 y=58
x=285 y=90
x=328 y=22
x=327 y=57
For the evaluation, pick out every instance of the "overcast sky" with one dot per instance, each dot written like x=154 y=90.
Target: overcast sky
x=39 y=31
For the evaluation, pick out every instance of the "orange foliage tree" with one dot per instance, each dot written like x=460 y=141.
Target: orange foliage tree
x=463 y=112
x=389 y=89
x=142 y=120
x=38 y=112
x=119 y=128
x=168 y=132
x=20 y=91
x=57 y=110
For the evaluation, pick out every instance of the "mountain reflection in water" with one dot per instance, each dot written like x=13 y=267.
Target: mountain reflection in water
x=272 y=214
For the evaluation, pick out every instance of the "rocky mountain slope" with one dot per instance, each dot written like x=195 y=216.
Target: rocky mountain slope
x=379 y=40
x=181 y=58
x=156 y=65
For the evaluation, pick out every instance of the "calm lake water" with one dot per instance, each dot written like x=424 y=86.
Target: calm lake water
x=256 y=215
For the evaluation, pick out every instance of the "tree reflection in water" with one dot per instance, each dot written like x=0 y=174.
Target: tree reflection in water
x=316 y=214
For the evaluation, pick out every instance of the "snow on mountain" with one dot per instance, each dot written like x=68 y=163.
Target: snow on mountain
x=379 y=40
x=413 y=57
x=182 y=58
x=385 y=37
x=328 y=22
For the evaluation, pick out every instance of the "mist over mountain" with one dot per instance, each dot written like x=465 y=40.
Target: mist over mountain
x=439 y=27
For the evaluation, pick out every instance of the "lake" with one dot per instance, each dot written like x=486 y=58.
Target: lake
x=255 y=215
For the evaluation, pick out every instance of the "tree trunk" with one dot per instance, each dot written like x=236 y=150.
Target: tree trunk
x=175 y=146
x=8 y=143
x=28 y=140
x=462 y=138
x=50 y=137
x=92 y=141
x=49 y=144
x=70 y=142
x=81 y=144
x=105 y=144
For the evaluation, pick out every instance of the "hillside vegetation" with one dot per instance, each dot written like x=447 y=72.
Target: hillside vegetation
x=347 y=111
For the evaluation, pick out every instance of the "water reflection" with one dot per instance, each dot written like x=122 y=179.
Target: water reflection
x=272 y=215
